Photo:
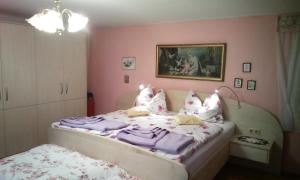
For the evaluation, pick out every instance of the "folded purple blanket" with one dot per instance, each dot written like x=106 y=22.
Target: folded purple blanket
x=98 y=124
x=173 y=143
x=156 y=138
x=144 y=133
x=82 y=120
x=137 y=140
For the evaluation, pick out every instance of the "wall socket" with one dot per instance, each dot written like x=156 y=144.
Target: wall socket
x=254 y=131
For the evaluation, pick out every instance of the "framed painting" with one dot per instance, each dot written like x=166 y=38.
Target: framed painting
x=191 y=61
x=128 y=63
x=247 y=67
x=251 y=85
x=238 y=82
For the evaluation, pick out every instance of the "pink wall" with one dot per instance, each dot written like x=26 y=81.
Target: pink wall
x=249 y=39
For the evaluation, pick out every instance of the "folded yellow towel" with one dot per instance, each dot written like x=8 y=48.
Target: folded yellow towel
x=138 y=111
x=187 y=119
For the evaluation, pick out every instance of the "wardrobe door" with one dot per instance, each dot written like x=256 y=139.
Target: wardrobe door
x=47 y=114
x=74 y=58
x=20 y=129
x=49 y=67
x=1 y=87
x=75 y=107
x=2 y=141
x=18 y=65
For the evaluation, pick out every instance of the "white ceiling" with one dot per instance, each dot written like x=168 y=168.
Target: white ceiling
x=135 y=12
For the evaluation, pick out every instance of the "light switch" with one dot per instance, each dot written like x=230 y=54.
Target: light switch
x=126 y=79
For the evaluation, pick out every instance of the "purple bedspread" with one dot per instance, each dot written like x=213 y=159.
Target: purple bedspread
x=81 y=120
x=173 y=143
x=132 y=138
x=93 y=123
x=156 y=138
x=144 y=133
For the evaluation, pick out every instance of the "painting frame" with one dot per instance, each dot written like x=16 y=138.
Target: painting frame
x=247 y=66
x=238 y=82
x=191 y=61
x=251 y=85
x=128 y=63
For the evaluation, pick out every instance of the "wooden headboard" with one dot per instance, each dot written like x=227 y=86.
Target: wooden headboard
x=246 y=118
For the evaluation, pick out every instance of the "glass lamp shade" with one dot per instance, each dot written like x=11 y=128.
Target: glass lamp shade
x=51 y=21
x=76 y=22
x=48 y=20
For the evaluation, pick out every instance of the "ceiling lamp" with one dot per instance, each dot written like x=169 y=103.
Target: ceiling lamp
x=56 y=21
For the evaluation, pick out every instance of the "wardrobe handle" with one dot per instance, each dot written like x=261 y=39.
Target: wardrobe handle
x=61 y=88
x=6 y=94
x=67 y=88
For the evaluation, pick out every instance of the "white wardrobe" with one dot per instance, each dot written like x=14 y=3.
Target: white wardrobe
x=42 y=79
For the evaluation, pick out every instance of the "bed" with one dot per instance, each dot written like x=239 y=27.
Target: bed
x=203 y=164
x=54 y=162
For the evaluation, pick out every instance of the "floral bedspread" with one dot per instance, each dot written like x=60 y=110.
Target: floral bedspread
x=55 y=162
x=201 y=133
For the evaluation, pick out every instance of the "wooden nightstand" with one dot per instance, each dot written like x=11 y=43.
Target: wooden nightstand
x=254 y=152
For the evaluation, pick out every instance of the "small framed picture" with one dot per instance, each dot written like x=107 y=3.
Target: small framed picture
x=128 y=63
x=251 y=84
x=247 y=67
x=238 y=82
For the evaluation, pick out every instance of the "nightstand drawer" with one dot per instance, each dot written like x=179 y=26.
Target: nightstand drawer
x=247 y=152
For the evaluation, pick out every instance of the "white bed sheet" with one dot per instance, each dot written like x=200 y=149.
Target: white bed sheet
x=193 y=160
x=203 y=153
x=201 y=133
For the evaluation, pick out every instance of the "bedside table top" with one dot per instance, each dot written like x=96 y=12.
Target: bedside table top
x=259 y=146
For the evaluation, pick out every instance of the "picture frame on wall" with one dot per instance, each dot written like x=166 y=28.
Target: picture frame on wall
x=247 y=67
x=128 y=63
x=251 y=85
x=191 y=61
x=238 y=82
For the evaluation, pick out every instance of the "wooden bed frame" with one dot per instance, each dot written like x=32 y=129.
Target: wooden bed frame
x=144 y=164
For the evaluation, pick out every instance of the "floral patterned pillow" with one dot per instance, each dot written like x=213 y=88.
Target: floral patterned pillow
x=158 y=103
x=145 y=96
x=213 y=102
x=210 y=110
x=192 y=103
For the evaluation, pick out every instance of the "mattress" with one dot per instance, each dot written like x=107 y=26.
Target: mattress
x=194 y=155
x=204 y=152
x=55 y=162
x=201 y=133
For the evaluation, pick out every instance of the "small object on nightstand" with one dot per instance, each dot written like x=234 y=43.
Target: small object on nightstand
x=251 y=148
x=253 y=140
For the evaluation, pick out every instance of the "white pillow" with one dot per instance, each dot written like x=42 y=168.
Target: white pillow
x=213 y=102
x=158 y=103
x=211 y=109
x=145 y=96
x=192 y=103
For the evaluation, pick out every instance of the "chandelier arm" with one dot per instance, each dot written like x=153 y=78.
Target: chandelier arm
x=67 y=12
x=57 y=4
